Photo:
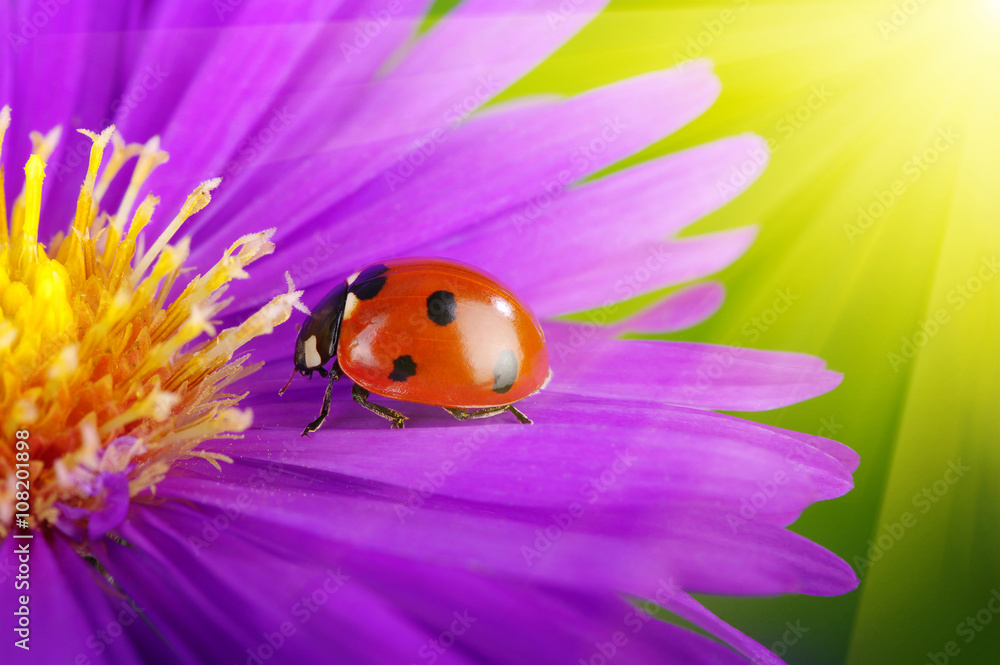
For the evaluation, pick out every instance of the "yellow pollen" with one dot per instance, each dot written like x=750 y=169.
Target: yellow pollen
x=105 y=369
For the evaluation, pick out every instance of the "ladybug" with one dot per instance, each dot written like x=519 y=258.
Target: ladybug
x=425 y=330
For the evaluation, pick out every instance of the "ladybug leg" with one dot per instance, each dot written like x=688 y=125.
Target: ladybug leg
x=361 y=395
x=463 y=414
x=314 y=425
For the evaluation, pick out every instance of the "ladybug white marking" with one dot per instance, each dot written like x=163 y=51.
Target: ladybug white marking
x=349 y=305
x=312 y=355
x=350 y=280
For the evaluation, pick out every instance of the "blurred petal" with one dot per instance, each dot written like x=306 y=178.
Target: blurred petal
x=705 y=376
x=69 y=603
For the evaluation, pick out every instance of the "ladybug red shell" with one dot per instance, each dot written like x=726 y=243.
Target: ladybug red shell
x=426 y=330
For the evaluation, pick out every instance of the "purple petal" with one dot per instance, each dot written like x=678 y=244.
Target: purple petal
x=683 y=309
x=468 y=176
x=705 y=376
x=618 y=545
x=63 y=72
x=385 y=609
x=115 y=507
x=277 y=84
x=73 y=612
x=468 y=57
x=675 y=456
x=568 y=285
x=608 y=230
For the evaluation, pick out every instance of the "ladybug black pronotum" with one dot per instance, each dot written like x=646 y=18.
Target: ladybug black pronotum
x=425 y=330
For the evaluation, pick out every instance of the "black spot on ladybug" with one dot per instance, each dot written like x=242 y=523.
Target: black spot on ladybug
x=441 y=307
x=505 y=372
x=369 y=282
x=403 y=368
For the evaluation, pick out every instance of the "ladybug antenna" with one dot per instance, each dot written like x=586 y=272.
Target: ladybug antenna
x=282 y=391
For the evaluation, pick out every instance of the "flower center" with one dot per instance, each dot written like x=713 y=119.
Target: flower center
x=108 y=382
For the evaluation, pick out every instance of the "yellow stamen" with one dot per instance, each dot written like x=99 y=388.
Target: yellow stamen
x=4 y=124
x=93 y=348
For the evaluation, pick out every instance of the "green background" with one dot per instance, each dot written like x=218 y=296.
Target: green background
x=852 y=96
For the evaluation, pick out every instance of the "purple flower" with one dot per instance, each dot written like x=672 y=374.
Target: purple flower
x=155 y=535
